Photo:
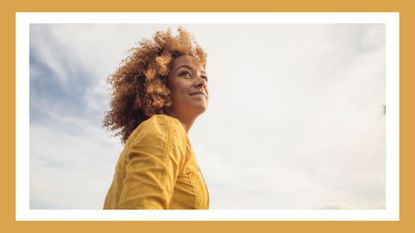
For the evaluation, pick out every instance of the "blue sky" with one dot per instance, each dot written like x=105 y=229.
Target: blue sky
x=295 y=118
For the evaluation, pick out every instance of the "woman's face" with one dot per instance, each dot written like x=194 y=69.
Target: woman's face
x=187 y=82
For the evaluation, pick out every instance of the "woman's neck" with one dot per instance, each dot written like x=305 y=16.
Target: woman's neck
x=186 y=121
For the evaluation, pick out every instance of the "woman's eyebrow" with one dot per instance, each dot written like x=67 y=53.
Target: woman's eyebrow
x=190 y=68
x=186 y=66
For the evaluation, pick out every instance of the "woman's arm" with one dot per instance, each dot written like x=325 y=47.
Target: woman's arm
x=154 y=159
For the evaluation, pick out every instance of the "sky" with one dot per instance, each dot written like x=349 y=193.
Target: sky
x=295 y=119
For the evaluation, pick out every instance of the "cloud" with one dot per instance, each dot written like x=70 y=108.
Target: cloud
x=307 y=120
x=70 y=170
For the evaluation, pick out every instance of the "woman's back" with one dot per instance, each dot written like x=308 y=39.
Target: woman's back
x=158 y=170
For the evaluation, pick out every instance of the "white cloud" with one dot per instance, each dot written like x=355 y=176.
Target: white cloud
x=71 y=170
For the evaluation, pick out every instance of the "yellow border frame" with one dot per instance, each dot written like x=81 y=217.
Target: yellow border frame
x=7 y=123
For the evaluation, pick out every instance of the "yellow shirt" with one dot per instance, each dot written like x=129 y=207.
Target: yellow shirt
x=157 y=170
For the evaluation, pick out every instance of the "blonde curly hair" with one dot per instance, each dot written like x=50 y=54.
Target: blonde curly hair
x=139 y=85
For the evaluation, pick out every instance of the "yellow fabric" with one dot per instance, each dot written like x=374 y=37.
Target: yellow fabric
x=157 y=170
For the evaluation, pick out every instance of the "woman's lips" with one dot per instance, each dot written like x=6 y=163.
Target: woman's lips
x=198 y=93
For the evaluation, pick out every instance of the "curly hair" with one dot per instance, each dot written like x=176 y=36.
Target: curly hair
x=139 y=85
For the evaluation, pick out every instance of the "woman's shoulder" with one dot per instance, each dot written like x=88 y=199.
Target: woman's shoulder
x=158 y=136
x=162 y=123
x=159 y=126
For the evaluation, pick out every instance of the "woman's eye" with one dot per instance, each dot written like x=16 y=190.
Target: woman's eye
x=185 y=74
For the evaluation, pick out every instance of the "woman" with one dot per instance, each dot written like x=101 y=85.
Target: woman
x=158 y=92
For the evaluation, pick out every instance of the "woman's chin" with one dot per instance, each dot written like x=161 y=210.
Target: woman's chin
x=199 y=109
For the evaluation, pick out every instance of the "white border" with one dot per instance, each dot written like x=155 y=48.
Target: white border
x=391 y=211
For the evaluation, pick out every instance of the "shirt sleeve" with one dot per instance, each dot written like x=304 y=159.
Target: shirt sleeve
x=154 y=160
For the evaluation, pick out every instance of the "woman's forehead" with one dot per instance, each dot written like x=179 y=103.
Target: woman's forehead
x=188 y=60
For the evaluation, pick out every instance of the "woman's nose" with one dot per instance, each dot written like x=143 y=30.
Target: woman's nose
x=201 y=82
